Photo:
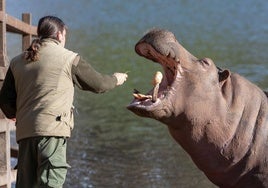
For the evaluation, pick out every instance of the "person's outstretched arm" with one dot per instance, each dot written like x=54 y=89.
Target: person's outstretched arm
x=86 y=77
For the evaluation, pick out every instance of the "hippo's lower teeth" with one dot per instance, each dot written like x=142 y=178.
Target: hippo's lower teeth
x=142 y=96
x=156 y=82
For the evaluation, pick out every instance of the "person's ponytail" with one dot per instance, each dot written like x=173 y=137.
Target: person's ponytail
x=31 y=54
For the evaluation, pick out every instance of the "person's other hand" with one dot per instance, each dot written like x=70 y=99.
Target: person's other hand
x=13 y=119
x=121 y=77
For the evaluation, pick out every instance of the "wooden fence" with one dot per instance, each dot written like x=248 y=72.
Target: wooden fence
x=27 y=31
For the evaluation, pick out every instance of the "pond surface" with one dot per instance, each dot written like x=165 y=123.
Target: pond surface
x=110 y=146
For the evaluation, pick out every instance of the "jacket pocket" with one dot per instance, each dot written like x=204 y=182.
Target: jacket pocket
x=67 y=117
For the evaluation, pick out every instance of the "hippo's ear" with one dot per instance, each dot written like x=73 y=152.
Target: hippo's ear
x=223 y=75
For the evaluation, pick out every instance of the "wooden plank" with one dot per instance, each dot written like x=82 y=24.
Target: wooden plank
x=15 y=25
x=7 y=124
x=3 y=179
x=3 y=127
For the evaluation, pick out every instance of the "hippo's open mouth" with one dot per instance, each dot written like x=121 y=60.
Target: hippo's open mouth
x=161 y=46
x=162 y=87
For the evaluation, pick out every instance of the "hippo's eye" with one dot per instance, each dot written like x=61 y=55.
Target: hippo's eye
x=206 y=61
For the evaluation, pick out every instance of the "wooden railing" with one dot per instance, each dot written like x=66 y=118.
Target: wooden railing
x=27 y=31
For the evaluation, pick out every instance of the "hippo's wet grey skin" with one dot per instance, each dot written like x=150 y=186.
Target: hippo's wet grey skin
x=218 y=117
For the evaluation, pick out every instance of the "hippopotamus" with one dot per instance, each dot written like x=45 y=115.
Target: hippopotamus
x=217 y=116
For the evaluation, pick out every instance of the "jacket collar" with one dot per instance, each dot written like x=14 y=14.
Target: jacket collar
x=51 y=40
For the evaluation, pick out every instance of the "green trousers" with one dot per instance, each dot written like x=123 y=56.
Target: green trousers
x=42 y=162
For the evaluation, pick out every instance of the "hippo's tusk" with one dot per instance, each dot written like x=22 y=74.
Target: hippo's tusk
x=155 y=93
x=156 y=82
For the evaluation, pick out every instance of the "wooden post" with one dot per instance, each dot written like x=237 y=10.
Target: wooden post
x=3 y=54
x=26 y=38
x=5 y=169
x=24 y=28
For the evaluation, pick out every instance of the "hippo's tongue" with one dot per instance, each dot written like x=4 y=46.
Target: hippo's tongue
x=156 y=81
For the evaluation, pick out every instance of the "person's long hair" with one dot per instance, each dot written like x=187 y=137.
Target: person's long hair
x=48 y=27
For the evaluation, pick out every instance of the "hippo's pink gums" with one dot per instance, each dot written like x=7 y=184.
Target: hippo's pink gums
x=218 y=117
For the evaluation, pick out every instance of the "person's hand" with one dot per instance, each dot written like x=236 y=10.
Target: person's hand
x=121 y=77
x=13 y=119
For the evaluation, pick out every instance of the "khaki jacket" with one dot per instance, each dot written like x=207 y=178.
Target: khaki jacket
x=45 y=92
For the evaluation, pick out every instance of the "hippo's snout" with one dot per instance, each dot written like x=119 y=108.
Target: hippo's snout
x=161 y=47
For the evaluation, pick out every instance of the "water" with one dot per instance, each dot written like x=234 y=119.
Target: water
x=111 y=147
